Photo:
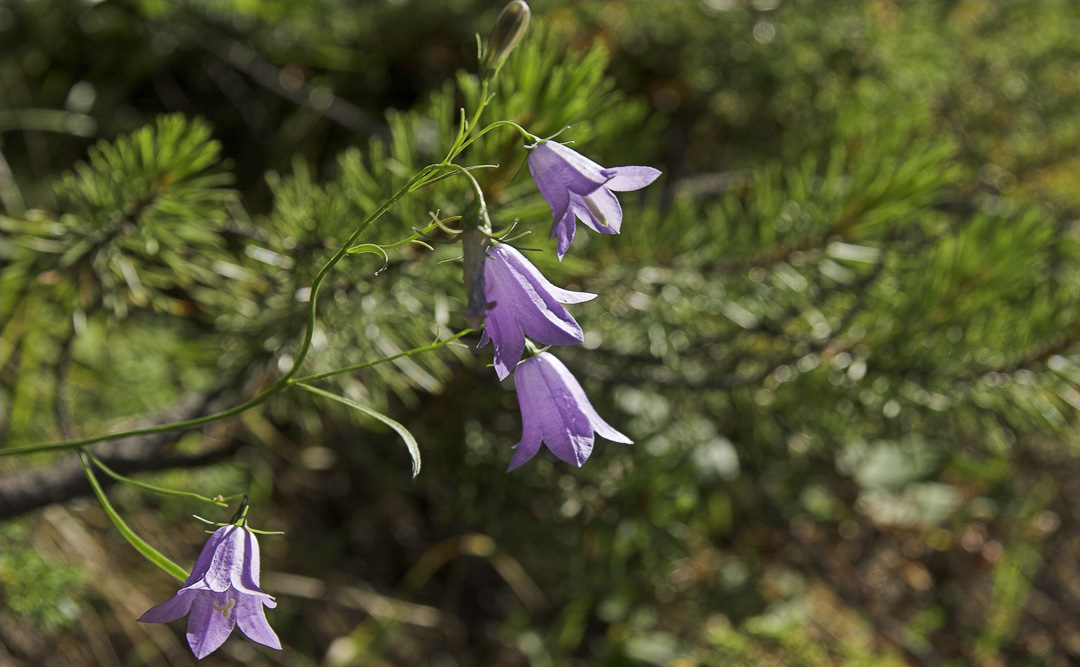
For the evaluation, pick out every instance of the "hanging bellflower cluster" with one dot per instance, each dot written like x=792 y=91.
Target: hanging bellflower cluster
x=508 y=298
x=520 y=302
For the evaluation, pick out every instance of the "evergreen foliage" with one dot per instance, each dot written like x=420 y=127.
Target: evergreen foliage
x=844 y=336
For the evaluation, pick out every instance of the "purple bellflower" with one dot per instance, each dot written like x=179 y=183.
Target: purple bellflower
x=555 y=411
x=574 y=185
x=522 y=302
x=222 y=592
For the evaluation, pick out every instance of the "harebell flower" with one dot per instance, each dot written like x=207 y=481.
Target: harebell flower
x=574 y=185
x=222 y=592
x=522 y=302
x=556 y=412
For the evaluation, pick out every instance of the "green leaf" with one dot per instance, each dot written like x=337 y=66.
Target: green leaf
x=150 y=487
x=410 y=441
x=149 y=552
x=373 y=249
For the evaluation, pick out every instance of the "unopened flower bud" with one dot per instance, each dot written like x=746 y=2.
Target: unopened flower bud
x=509 y=27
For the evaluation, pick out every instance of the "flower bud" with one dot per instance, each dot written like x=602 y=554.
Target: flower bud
x=509 y=27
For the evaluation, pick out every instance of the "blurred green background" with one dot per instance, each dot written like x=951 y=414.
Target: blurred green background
x=842 y=330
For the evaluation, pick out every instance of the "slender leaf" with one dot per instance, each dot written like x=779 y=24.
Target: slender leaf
x=410 y=441
x=151 y=554
x=150 y=487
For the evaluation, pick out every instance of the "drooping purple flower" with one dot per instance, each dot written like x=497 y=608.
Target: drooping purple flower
x=574 y=185
x=222 y=592
x=521 y=302
x=555 y=411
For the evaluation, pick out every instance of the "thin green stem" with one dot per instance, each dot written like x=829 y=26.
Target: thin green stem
x=421 y=179
x=466 y=127
x=502 y=123
x=484 y=99
x=472 y=179
x=301 y=354
x=279 y=384
x=366 y=364
x=438 y=224
x=436 y=179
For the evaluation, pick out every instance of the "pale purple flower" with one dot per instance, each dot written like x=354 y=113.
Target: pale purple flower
x=222 y=592
x=574 y=185
x=555 y=411
x=521 y=302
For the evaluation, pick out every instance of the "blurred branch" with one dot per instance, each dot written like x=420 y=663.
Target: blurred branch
x=292 y=88
x=364 y=598
x=659 y=373
x=1034 y=357
x=65 y=480
x=712 y=184
x=48 y=120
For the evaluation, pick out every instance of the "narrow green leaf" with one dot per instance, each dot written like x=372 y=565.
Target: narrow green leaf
x=373 y=249
x=410 y=441
x=150 y=487
x=149 y=552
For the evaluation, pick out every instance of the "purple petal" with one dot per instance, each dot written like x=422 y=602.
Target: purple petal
x=582 y=174
x=228 y=562
x=562 y=167
x=604 y=429
x=570 y=297
x=551 y=189
x=252 y=621
x=571 y=182
x=526 y=448
x=535 y=403
x=170 y=610
x=568 y=380
x=521 y=289
x=212 y=618
x=249 y=573
x=512 y=256
x=525 y=303
x=502 y=328
x=567 y=429
x=600 y=211
x=597 y=423
x=624 y=179
x=560 y=172
x=564 y=228
x=206 y=556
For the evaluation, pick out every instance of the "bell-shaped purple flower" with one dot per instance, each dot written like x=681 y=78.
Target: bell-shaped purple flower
x=556 y=412
x=574 y=185
x=222 y=592
x=521 y=302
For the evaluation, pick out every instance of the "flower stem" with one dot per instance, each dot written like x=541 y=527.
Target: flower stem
x=278 y=385
x=422 y=178
x=366 y=364
x=525 y=134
